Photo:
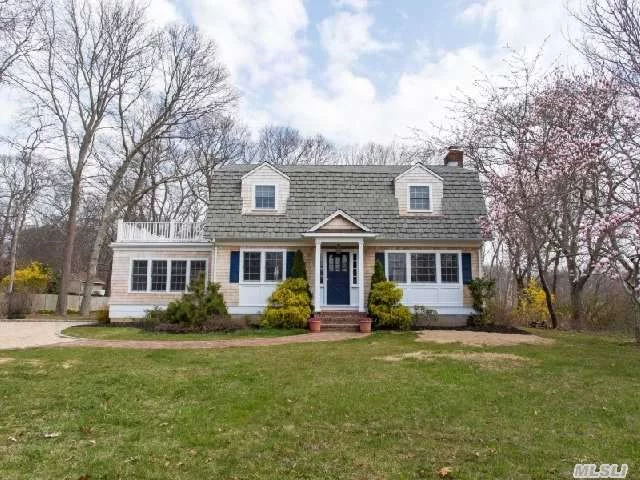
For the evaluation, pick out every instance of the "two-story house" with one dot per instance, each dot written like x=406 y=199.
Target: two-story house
x=420 y=221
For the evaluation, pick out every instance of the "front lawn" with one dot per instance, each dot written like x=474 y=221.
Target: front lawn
x=359 y=409
x=133 y=333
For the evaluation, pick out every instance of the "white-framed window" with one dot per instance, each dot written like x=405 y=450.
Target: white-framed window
x=158 y=275
x=273 y=264
x=354 y=269
x=423 y=267
x=264 y=197
x=449 y=268
x=139 y=275
x=251 y=263
x=419 y=198
x=178 y=275
x=164 y=275
x=397 y=267
x=262 y=266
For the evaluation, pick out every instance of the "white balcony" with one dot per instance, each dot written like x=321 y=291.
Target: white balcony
x=160 y=232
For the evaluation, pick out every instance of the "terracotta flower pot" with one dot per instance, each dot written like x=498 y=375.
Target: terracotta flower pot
x=365 y=326
x=314 y=325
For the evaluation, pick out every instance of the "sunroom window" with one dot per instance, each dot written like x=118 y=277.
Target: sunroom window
x=251 y=267
x=397 y=263
x=273 y=266
x=265 y=197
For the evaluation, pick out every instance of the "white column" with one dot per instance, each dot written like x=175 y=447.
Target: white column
x=316 y=292
x=361 y=307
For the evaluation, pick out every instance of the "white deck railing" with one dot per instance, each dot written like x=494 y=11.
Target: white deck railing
x=174 y=232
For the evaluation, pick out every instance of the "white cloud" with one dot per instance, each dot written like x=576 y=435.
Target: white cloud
x=162 y=12
x=259 y=38
x=265 y=45
x=353 y=4
x=345 y=36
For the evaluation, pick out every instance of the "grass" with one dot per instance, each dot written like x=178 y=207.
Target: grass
x=324 y=410
x=131 y=333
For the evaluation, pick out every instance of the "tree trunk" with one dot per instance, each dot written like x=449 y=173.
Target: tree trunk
x=92 y=270
x=14 y=251
x=577 y=309
x=636 y=328
x=547 y=293
x=69 y=243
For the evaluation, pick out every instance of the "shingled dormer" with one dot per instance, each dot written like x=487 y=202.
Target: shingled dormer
x=419 y=191
x=265 y=191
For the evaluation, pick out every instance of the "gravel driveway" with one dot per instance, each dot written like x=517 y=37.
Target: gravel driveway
x=26 y=334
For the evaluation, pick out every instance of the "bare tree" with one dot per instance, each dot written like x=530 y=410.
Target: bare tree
x=17 y=21
x=287 y=146
x=89 y=50
x=24 y=176
x=611 y=39
x=179 y=84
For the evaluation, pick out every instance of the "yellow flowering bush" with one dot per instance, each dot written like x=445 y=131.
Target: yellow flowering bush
x=533 y=304
x=33 y=278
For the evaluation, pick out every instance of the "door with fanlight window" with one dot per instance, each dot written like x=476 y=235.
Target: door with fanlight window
x=338 y=291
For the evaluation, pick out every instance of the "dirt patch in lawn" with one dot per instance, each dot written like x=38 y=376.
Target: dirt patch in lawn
x=480 y=339
x=492 y=361
x=6 y=360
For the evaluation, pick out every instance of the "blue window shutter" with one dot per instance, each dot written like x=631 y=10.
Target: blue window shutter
x=234 y=268
x=380 y=258
x=290 y=256
x=466 y=268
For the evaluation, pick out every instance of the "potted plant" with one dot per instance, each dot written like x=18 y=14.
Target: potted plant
x=365 y=325
x=314 y=324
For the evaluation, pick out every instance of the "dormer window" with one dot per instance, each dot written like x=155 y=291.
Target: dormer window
x=265 y=197
x=419 y=198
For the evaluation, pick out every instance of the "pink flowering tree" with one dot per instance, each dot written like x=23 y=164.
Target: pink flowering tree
x=543 y=145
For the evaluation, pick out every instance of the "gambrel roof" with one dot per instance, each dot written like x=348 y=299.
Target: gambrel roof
x=365 y=193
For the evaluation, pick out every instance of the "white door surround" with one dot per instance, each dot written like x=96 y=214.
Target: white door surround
x=346 y=241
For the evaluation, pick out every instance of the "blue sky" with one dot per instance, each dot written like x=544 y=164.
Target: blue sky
x=366 y=70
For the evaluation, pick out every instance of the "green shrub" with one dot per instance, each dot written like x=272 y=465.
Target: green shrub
x=385 y=307
x=289 y=305
x=298 y=269
x=377 y=277
x=482 y=292
x=195 y=308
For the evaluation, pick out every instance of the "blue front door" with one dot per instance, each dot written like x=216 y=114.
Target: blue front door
x=338 y=278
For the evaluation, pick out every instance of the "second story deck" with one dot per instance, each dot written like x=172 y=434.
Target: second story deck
x=160 y=232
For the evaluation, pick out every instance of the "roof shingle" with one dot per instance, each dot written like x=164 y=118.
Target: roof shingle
x=364 y=192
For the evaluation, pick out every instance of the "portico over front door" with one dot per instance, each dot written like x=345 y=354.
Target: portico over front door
x=338 y=291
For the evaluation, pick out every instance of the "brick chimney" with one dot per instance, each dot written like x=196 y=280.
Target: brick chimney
x=454 y=157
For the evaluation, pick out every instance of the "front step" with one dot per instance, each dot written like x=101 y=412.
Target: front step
x=340 y=327
x=340 y=320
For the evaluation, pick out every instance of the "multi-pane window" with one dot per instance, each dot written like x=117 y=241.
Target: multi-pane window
x=419 y=197
x=198 y=269
x=397 y=266
x=273 y=266
x=449 y=267
x=251 y=267
x=265 y=196
x=139 y=276
x=423 y=267
x=322 y=260
x=158 y=275
x=178 y=275
x=354 y=269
